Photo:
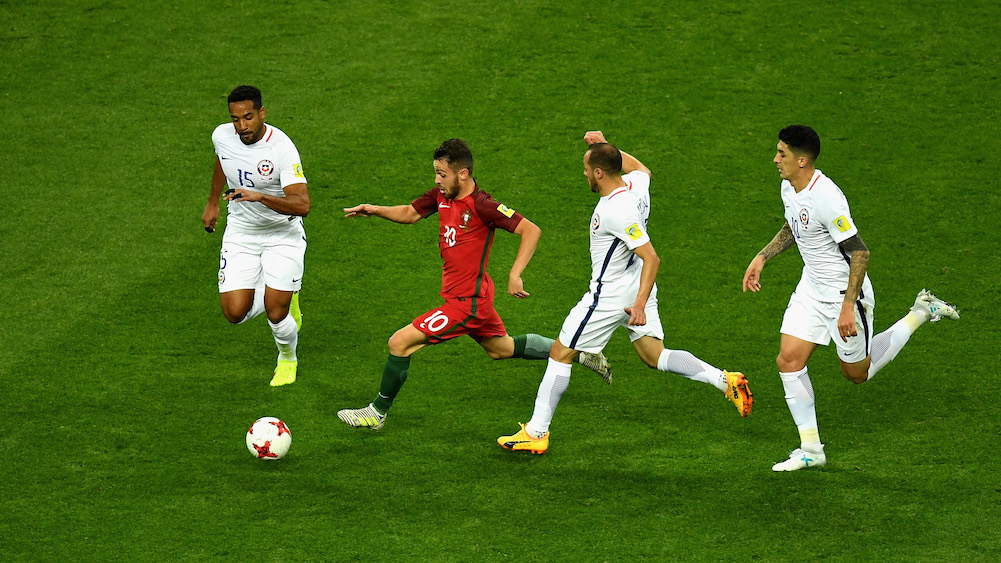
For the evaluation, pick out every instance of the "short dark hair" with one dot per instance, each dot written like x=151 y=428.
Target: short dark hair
x=244 y=93
x=605 y=156
x=801 y=139
x=456 y=153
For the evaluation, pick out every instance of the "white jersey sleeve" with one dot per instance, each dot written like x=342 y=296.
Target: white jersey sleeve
x=623 y=219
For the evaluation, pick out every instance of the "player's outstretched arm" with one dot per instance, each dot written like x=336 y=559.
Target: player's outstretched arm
x=781 y=242
x=530 y=234
x=629 y=162
x=405 y=214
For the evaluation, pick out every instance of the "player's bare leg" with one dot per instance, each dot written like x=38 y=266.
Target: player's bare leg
x=241 y=305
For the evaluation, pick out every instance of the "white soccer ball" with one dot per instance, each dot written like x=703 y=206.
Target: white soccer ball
x=268 y=438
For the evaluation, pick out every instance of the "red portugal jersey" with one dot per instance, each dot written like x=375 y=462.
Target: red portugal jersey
x=465 y=236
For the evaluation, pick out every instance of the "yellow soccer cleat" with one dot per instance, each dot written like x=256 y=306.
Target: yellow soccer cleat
x=523 y=441
x=738 y=393
x=295 y=311
x=284 y=373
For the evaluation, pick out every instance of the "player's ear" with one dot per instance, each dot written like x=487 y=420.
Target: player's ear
x=262 y=113
x=464 y=174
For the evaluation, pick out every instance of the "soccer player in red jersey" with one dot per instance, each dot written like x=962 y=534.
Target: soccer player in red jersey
x=468 y=217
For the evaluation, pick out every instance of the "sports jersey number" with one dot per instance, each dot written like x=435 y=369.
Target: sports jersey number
x=435 y=322
x=449 y=235
x=245 y=181
x=795 y=228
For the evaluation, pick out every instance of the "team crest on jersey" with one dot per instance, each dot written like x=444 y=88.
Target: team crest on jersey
x=465 y=217
x=804 y=216
x=634 y=231
x=595 y=222
x=265 y=168
x=505 y=210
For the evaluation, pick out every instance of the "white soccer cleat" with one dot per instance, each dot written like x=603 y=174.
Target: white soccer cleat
x=597 y=363
x=366 y=417
x=801 y=459
x=935 y=307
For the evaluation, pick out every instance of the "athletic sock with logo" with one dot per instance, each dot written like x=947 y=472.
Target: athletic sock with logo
x=802 y=406
x=687 y=365
x=888 y=343
x=394 y=374
x=554 y=383
x=532 y=346
x=286 y=337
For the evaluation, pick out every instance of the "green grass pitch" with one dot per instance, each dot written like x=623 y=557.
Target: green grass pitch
x=125 y=394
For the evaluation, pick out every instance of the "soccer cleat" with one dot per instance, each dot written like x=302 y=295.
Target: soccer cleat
x=597 y=363
x=935 y=307
x=366 y=417
x=523 y=441
x=295 y=311
x=284 y=373
x=738 y=392
x=801 y=459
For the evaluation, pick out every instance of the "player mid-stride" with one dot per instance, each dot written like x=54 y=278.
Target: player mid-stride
x=467 y=218
x=834 y=298
x=622 y=293
x=261 y=263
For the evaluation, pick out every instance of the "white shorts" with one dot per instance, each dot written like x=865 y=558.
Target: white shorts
x=817 y=322
x=591 y=322
x=274 y=259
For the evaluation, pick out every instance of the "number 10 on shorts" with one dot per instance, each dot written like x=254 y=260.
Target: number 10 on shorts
x=435 y=322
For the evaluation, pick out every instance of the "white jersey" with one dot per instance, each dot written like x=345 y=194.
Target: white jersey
x=267 y=166
x=820 y=219
x=618 y=226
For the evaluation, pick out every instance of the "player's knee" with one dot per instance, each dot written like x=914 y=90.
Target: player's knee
x=497 y=355
x=788 y=362
x=234 y=315
x=858 y=377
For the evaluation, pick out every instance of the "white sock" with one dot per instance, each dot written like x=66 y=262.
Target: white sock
x=554 y=383
x=802 y=405
x=888 y=343
x=257 y=308
x=687 y=365
x=286 y=337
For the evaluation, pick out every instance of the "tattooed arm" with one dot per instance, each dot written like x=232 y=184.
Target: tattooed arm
x=856 y=275
x=782 y=241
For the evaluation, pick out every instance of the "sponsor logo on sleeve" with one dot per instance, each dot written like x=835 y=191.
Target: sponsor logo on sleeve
x=505 y=210
x=298 y=171
x=634 y=231
x=842 y=224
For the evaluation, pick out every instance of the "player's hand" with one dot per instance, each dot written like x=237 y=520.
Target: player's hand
x=592 y=137
x=846 y=322
x=517 y=288
x=242 y=195
x=637 y=315
x=752 y=277
x=210 y=216
x=363 y=210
